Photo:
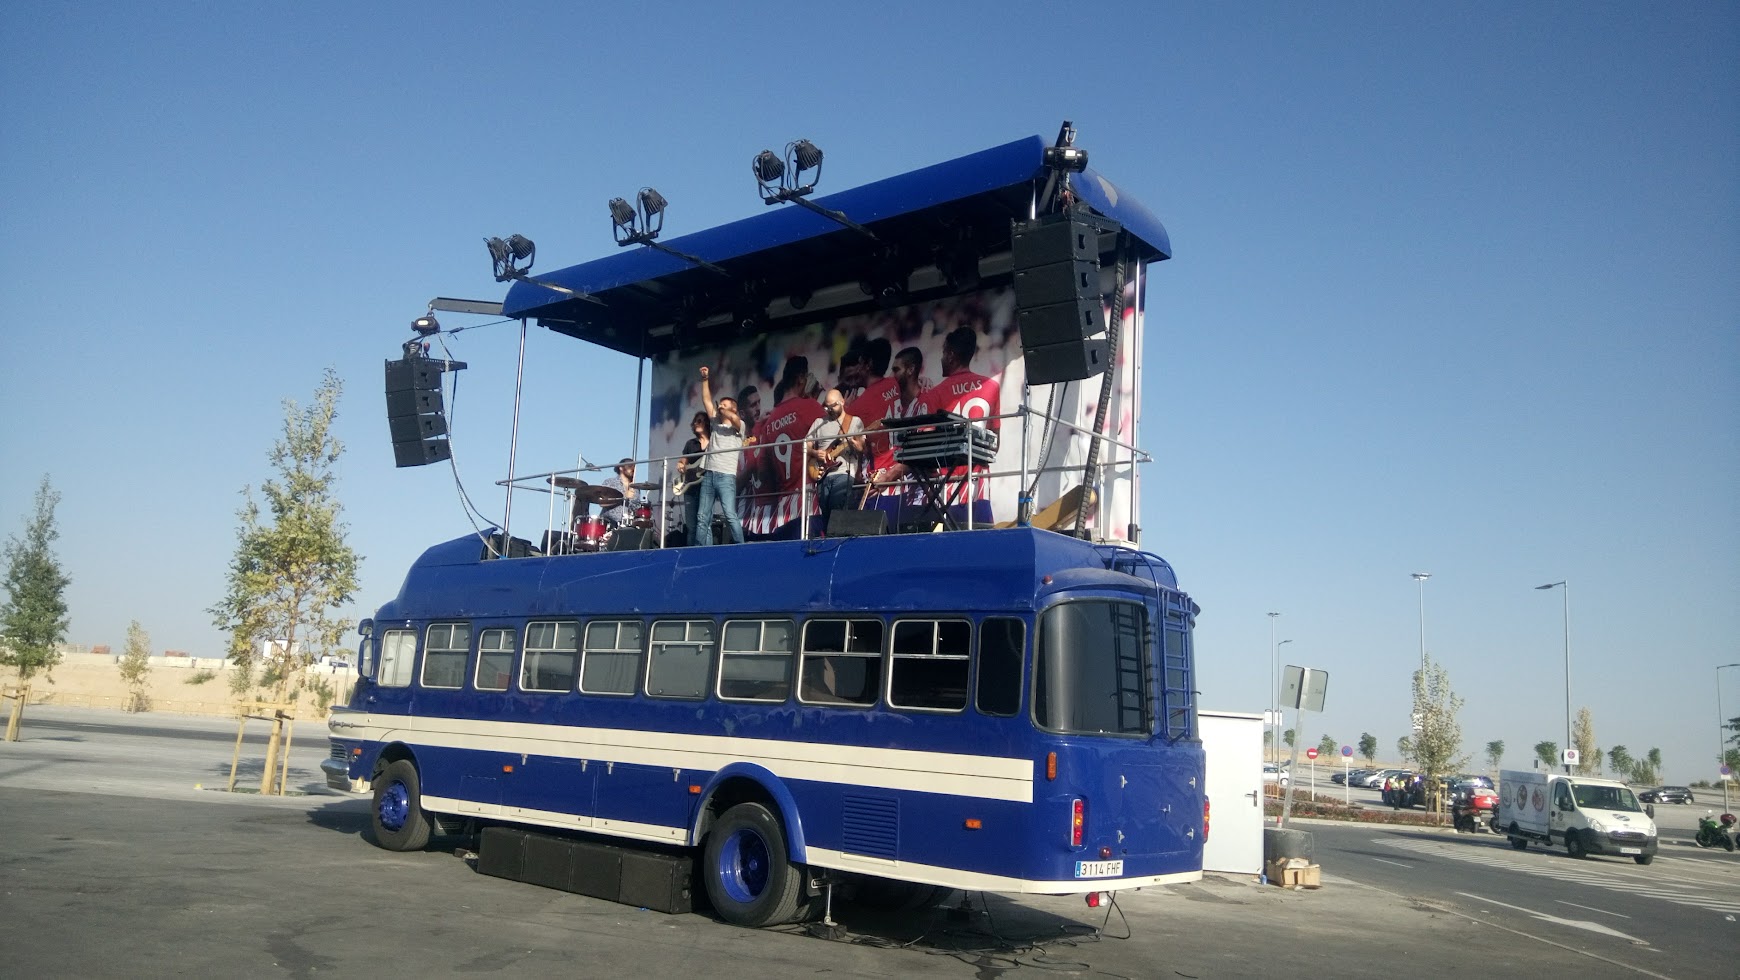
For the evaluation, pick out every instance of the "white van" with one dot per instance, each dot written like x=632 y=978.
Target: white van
x=1587 y=815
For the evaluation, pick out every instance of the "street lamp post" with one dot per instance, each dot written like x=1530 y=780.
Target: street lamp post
x=1565 y=594
x=1721 y=740
x=1421 y=578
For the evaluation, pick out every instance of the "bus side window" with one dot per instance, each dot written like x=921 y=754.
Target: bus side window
x=398 y=654
x=842 y=661
x=755 y=660
x=680 y=661
x=552 y=657
x=612 y=661
x=1001 y=654
x=495 y=660
x=445 y=648
x=929 y=661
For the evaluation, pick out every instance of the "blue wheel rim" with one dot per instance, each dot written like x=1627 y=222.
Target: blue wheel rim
x=743 y=865
x=395 y=806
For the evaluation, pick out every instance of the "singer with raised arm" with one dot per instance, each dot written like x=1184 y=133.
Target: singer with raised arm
x=725 y=436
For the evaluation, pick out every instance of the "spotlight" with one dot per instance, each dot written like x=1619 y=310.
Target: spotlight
x=509 y=254
x=768 y=169
x=652 y=211
x=622 y=221
x=1070 y=158
x=802 y=155
x=426 y=325
x=630 y=225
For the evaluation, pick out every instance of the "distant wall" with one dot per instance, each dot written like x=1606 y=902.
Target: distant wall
x=92 y=680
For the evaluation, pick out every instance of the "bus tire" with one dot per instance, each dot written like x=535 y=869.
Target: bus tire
x=397 y=818
x=749 y=879
x=1520 y=843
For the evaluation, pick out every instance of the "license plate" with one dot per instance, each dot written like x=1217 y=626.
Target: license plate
x=1098 y=869
x=1631 y=850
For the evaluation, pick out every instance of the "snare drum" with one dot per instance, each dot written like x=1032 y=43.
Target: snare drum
x=589 y=534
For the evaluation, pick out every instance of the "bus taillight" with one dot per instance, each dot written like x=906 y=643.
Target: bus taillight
x=1205 y=819
x=1075 y=822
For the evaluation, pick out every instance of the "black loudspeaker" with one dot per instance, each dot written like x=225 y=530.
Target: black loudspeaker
x=857 y=523
x=415 y=412
x=1058 y=306
x=633 y=539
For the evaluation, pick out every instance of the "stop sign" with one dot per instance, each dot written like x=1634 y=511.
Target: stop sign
x=1311 y=753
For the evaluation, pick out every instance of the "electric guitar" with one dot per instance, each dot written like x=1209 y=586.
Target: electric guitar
x=830 y=461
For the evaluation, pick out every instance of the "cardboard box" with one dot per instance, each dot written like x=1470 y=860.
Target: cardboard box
x=1294 y=873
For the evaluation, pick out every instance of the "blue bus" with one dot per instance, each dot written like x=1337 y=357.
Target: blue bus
x=1006 y=708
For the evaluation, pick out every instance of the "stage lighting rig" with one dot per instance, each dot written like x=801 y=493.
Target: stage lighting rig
x=513 y=258
x=426 y=324
x=641 y=222
x=1062 y=158
x=780 y=180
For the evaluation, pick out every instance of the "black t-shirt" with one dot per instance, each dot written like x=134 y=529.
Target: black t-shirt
x=692 y=456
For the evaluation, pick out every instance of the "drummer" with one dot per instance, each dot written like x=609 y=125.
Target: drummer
x=622 y=514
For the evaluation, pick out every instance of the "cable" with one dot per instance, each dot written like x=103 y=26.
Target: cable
x=453 y=464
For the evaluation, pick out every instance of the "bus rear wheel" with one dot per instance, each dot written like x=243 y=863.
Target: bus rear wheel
x=749 y=879
x=397 y=818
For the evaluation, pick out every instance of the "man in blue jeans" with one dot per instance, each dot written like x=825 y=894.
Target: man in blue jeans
x=719 y=465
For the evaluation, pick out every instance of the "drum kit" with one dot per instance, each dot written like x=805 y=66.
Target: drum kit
x=596 y=533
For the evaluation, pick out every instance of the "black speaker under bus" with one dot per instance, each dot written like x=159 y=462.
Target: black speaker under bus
x=1058 y=304
x=415 y=414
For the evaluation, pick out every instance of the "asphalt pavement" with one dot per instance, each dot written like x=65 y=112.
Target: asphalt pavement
x=113 y=863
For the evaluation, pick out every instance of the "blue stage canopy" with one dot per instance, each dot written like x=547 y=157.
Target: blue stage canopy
x=651 y=302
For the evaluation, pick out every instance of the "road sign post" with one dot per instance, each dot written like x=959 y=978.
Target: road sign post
x=1304 y=689
x=1346 y=775
x=1311 y=753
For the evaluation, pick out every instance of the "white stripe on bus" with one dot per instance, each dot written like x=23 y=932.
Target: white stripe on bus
x=952 y=774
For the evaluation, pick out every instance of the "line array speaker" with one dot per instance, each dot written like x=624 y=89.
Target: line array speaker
x=415 y=413
x=1058 y=302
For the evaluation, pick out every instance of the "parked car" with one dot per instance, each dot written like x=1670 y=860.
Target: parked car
x=1667 y=794
x=1473 y=780
x=1274 y=774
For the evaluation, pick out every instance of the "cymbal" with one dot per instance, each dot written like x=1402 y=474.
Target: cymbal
x=602 y=496
x=567 y=481
x=648 y=485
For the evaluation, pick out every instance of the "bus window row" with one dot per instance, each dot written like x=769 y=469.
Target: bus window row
x=916 y=664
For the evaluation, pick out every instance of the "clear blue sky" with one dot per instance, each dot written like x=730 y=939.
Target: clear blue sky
x=1455 y=291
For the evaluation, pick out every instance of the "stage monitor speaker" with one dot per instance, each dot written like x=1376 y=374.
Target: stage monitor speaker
x=1059 y=308
x=633 y=539
x=1066 y=362
x=415 y=414
x=857 y=523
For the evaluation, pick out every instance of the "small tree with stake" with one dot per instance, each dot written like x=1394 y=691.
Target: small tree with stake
x=292 y=570
x=1368 y=747
x=135 y=665
x=1438 y=741
x=33 y=615
x=1494 y=754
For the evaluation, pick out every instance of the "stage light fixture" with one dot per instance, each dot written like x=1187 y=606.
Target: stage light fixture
x=768 y=169
x=801 y=156
x=631 y=225
x=509 y=254
x=426 y=324
x=1070 y=158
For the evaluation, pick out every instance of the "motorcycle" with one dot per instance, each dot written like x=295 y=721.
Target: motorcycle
x=1714 y=833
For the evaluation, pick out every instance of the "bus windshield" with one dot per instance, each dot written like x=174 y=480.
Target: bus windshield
x=1089 y=677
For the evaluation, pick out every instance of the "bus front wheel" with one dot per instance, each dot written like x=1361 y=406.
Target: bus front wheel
x=749 y=879
x=398 y=819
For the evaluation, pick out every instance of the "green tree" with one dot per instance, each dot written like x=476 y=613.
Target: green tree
x=1647 y=770
x=1327 y=746
x=135 y=665
x=293 y=567
x=1494 y=754
x=1583 y=737
x=33 y=614
x=1548 y=754
x=1405 y=747
x=1620 y=761
x=1288 y=736
x=1368 y=747
x=1437 y=742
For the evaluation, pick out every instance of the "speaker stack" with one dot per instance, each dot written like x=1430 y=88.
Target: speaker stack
x=415 y=413
x=1058 y=304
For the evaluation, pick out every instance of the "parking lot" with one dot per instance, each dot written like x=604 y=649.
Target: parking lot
x=115 y=863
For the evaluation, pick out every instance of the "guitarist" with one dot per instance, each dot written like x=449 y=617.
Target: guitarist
x=689 y=473
x=836 y=453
